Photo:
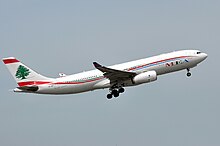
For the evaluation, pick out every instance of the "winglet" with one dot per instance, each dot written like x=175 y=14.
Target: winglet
x=96 y=65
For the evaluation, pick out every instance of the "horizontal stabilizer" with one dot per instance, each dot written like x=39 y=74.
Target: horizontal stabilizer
x=29 y=88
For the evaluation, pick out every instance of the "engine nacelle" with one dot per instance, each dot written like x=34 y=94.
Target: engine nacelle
x=145 y=77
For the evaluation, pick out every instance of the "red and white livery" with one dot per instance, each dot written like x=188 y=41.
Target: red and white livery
x=114 y=77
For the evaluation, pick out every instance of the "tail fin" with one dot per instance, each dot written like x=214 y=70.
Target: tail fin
x=21 y=72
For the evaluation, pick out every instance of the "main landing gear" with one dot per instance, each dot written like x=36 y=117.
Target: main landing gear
x=115 y=92
x=188 y=72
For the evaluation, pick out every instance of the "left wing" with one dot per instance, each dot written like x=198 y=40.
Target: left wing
x=114 y=75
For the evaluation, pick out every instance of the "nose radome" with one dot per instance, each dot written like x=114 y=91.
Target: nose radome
x=205 y=55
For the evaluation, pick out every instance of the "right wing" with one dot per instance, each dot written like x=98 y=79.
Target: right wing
x=114 y=75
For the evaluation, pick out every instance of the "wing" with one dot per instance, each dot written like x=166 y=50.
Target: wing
x=114 y=75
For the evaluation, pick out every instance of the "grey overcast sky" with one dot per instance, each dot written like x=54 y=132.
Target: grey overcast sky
x=54 y=36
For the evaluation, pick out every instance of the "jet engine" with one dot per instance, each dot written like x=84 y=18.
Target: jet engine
x=145 y=77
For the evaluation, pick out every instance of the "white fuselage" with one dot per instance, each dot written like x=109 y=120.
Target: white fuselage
x=94 y=79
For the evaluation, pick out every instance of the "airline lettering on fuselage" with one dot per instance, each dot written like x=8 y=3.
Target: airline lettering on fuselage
x=176 y=62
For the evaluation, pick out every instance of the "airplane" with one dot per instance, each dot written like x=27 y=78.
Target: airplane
x=115 y=77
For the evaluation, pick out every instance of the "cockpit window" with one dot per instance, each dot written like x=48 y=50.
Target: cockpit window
x=198 y=52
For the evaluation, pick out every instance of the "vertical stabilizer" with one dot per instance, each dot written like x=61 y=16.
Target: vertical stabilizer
x=21 y=72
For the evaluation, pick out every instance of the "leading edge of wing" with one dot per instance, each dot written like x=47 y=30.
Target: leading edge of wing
x=110 y=70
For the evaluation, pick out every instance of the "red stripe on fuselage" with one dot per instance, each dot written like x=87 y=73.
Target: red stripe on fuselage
x=8 y=61
x=32 y=83
x=58 y=83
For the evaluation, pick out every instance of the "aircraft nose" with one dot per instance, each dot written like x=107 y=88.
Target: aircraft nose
x=205 y=55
